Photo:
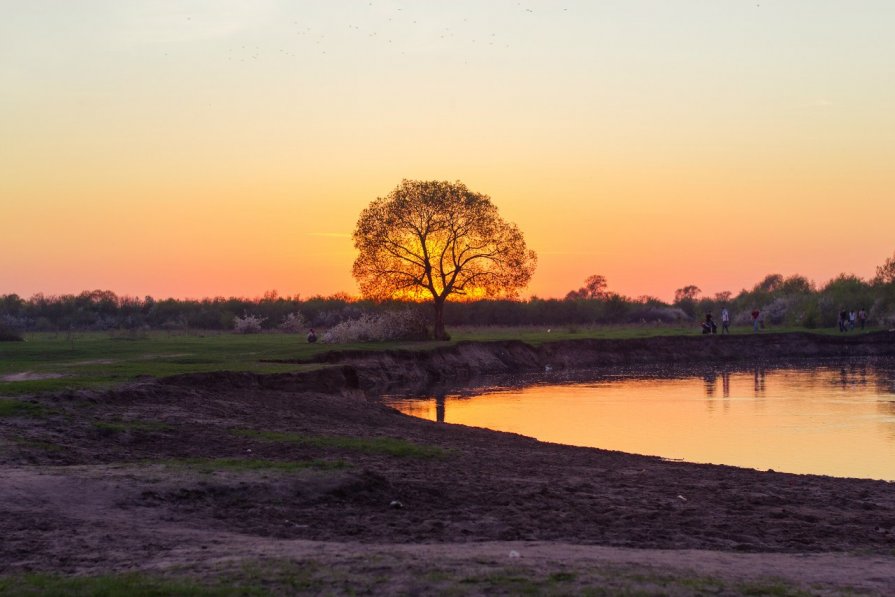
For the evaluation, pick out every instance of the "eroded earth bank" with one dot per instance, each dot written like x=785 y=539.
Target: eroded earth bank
x=304 y=482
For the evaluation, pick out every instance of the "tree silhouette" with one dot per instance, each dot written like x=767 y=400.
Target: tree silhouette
x=885 y=273
x=594 y=288
x=433 y=240
x=685 y=298
x=687 y=293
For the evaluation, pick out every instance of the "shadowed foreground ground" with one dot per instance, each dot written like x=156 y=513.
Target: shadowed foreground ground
x=227 y=478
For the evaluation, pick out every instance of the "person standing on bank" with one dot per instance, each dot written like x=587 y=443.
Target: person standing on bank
x=862 y=317
x=755 y=314
x=725 y=320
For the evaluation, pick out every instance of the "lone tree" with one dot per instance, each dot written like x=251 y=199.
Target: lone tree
x=431 y=240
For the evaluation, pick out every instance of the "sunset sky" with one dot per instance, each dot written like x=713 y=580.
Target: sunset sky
x=227 y=147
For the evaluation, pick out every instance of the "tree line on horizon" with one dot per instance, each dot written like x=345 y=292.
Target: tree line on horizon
x=439 y=248
x=791 y=301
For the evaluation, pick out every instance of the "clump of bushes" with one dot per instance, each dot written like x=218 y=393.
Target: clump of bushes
x=9 y=335
x=389 y=325
x=658 y=314
x=293 y=323
x=248 y=324
x=10 y=329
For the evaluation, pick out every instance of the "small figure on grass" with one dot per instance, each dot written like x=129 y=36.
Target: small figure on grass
x=708 y=326
x=755 y=322
x=312 y=336
x=725 y=320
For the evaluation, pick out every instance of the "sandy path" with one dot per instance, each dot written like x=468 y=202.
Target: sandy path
x=866 y=573
x=88 y=526
x=30 y=376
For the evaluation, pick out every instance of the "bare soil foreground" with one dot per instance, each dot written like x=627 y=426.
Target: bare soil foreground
x=239 y=483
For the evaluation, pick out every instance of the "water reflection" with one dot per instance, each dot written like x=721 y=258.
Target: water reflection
x=711 y=380
x=830 y=418
x=759 y=382
x=439 y=408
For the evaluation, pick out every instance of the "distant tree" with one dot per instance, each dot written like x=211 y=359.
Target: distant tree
x=687 y=293
x=11 y=305
x=594 y=288
x=771 y=283
x=845 y=283
x=796 y=284
x=723 y=297
x=646 y=299
x=430 y=239
x=885 y=273
x=685 y=299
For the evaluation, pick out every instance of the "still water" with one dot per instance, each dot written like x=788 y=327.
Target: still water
x=830 y=418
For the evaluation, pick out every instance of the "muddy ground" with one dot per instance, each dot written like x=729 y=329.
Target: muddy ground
x=203 y=475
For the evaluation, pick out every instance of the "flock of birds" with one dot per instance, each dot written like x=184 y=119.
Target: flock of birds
x=390 y=30
x=397 y=29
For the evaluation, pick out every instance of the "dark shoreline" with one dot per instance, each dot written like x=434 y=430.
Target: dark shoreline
x=385 y=371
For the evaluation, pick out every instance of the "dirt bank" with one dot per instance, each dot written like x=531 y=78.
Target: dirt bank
x=239 y=465
x=378 y=371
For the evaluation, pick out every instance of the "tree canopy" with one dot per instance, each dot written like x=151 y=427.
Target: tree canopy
x=885 y=273
x=432 y=240
x=594 y=288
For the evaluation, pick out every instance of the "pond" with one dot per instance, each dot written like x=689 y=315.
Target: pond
x=828 y=418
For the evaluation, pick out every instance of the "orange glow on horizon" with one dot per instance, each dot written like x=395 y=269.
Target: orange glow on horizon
x=228 y=153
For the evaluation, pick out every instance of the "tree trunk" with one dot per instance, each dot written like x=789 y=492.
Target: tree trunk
x=439 y=333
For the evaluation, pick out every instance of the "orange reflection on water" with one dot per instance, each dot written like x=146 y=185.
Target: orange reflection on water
x=834 y=421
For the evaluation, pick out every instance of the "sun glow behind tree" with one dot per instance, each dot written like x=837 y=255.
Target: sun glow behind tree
x=433 y=240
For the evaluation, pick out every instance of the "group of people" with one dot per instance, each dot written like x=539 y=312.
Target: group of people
x=710 y=327
x=849 y=319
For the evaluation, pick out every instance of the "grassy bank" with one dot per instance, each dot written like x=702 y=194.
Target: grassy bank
x=49 y=362
x=392 y=574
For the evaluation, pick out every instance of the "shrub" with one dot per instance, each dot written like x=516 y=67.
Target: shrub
x=293 y=323
x=10 y=328
x=775 y=312
x=811 y=316
x=9 y=335
x=661 y=314
x=880 y=315
x=247 y=324
x=390 y=325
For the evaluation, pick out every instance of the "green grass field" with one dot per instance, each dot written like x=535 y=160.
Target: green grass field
x=103 y=359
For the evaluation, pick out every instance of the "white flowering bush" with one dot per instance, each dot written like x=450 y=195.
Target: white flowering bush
x=293 y=323
x=390 y=325
x=663 y=314
x=774 y=312
x=248 y=324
